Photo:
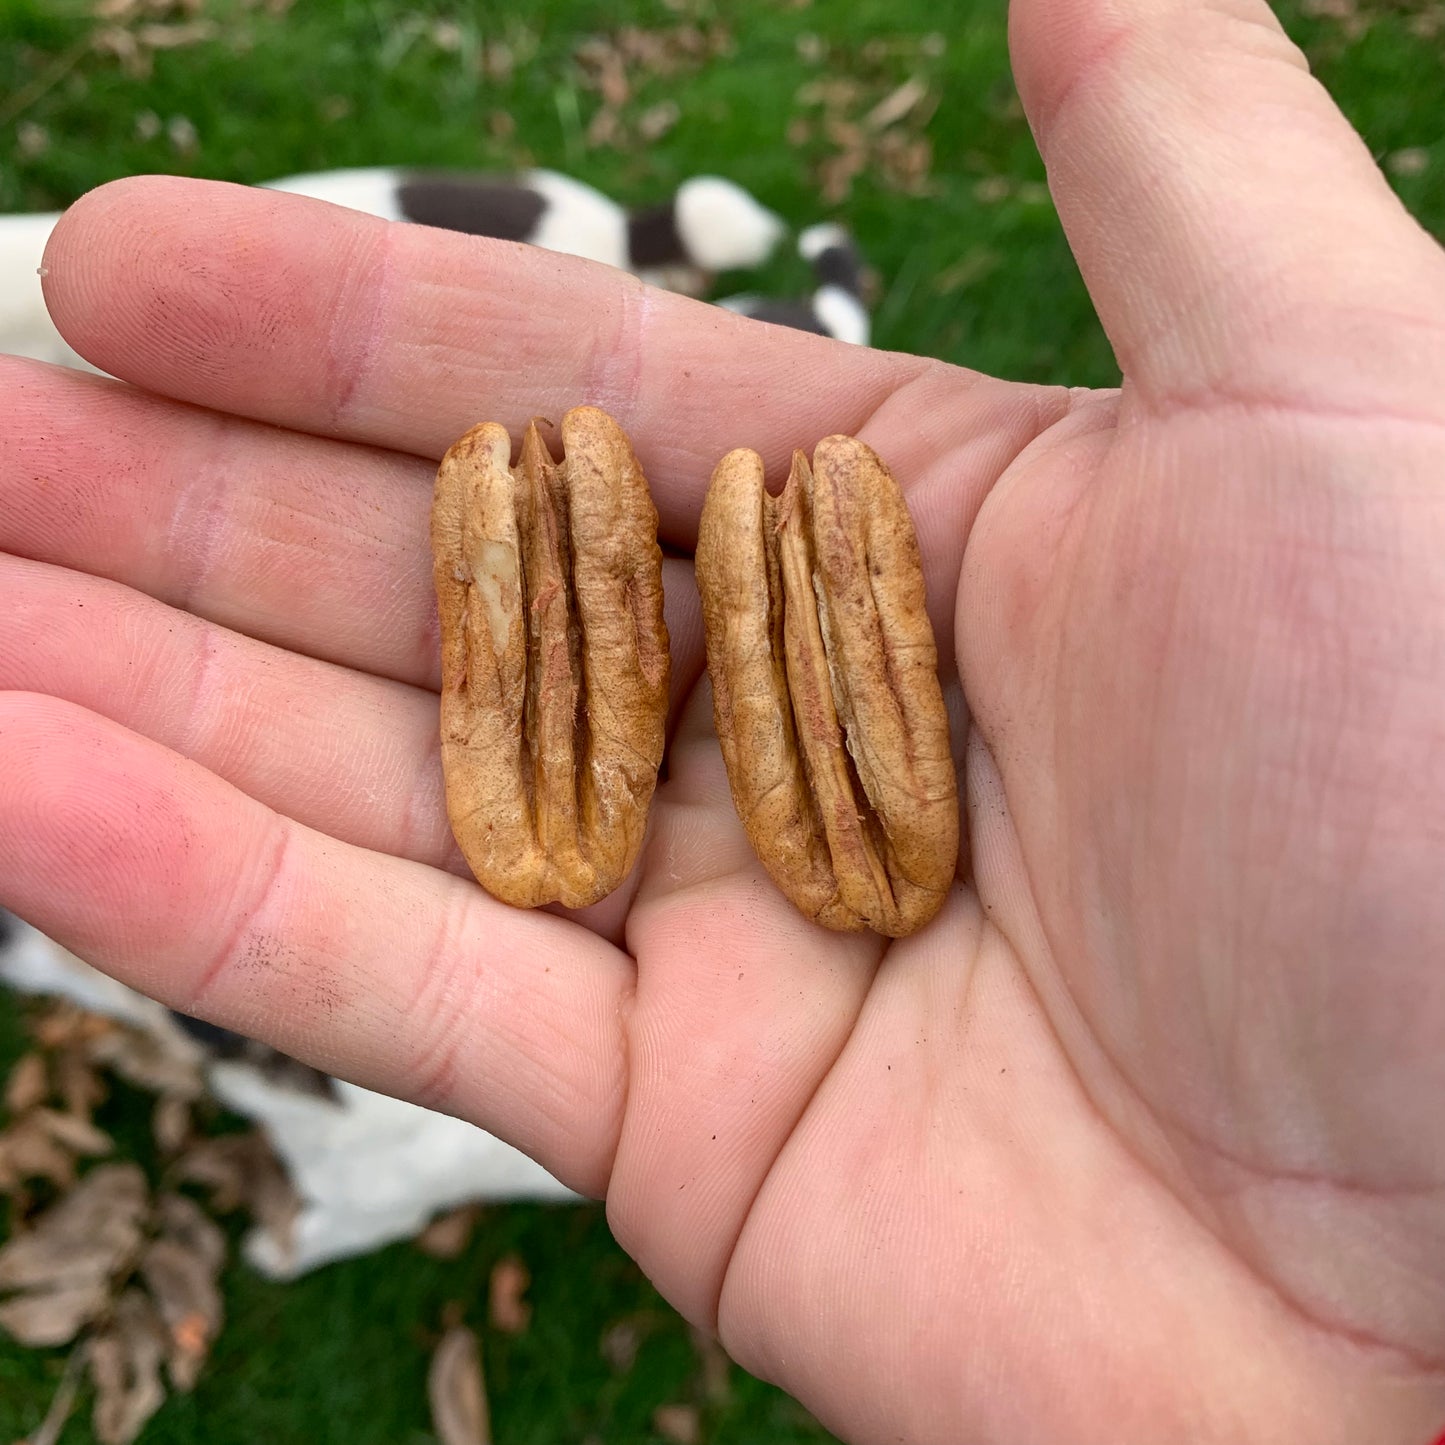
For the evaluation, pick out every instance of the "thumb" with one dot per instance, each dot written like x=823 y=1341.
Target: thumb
x=1233 y=230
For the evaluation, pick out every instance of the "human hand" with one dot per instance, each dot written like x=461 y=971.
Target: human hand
x=1142 y=1137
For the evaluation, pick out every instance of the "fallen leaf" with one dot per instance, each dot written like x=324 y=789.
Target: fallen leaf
x=894 y=106
x=174 y=37
x=456 y=1391
x=180 y=1269
x=92 y=1233
x=81 y=1087
x=605 y=128
x=506 y=1308
x=182 y=134
x=1412 y=161
x=183 y=1287
x=28 y=1152
x=448 y=1234
x=608 y=73
x=119 y=42
x=125 y=1367
x=71 y=1132
x=620 y=1343
x=68 y=1025
x=657 y=120
x=190 y=1226
x=53 y=1317
x=149 y=1063
x=171 y=1123
x=241 y=1170
x=28 y=1084
x=678 y=1423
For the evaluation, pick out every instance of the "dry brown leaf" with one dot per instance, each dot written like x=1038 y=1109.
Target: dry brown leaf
x=186 y=1222
x=78 y=1135
x=498 y=61
x=174 y=37
x=179 y=1270
x=125 y=1367
x=882 y=134
x=117 y=41
x=837 y=174
x=457 y=1392
x=605 y=128
x=94 y=1232
x=66 y=1026
x=678 y=1423
x=149 y=1063
x=81 y=1087
x=182 y=134
x=1412 y=161
x=53 y=1317
x=657 y=120
x=614 y=65
x=241 y=1170
x=28 y=1152
x=606 y=70
x=897 y=104
x=506 y=1308
x=449 y=1234
x=28 y=1084
x=222 y=1166
x=812 y=48
x=66 y=1266
x=906 y=162
x=171 y=1123
x=620 y=1344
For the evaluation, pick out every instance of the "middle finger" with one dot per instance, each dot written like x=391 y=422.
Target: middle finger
x=348 y=754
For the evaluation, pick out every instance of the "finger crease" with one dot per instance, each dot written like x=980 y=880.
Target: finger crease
x=234 y=944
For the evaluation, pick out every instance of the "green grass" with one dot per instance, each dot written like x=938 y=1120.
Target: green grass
x=976 y=271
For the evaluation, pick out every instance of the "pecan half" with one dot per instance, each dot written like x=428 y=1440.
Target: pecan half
x=554 y=657
x=825 y=686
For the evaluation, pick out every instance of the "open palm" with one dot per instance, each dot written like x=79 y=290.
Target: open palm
x=1141 y=1139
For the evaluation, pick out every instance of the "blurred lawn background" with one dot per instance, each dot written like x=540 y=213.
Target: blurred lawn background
x=949 y=205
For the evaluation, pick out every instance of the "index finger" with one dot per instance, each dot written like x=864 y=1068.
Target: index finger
x=322 y=319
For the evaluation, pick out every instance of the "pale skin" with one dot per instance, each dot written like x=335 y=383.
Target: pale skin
x=1142 y=1138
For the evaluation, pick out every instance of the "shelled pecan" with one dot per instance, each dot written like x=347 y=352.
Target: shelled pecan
x=554 y=657
x=825 y=689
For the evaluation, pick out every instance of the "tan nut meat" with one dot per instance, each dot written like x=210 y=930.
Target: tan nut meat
x=554 y=658
x=825 y=686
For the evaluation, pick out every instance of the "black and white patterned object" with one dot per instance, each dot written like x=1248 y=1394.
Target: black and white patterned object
x=708 y=225
x=837 y=307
